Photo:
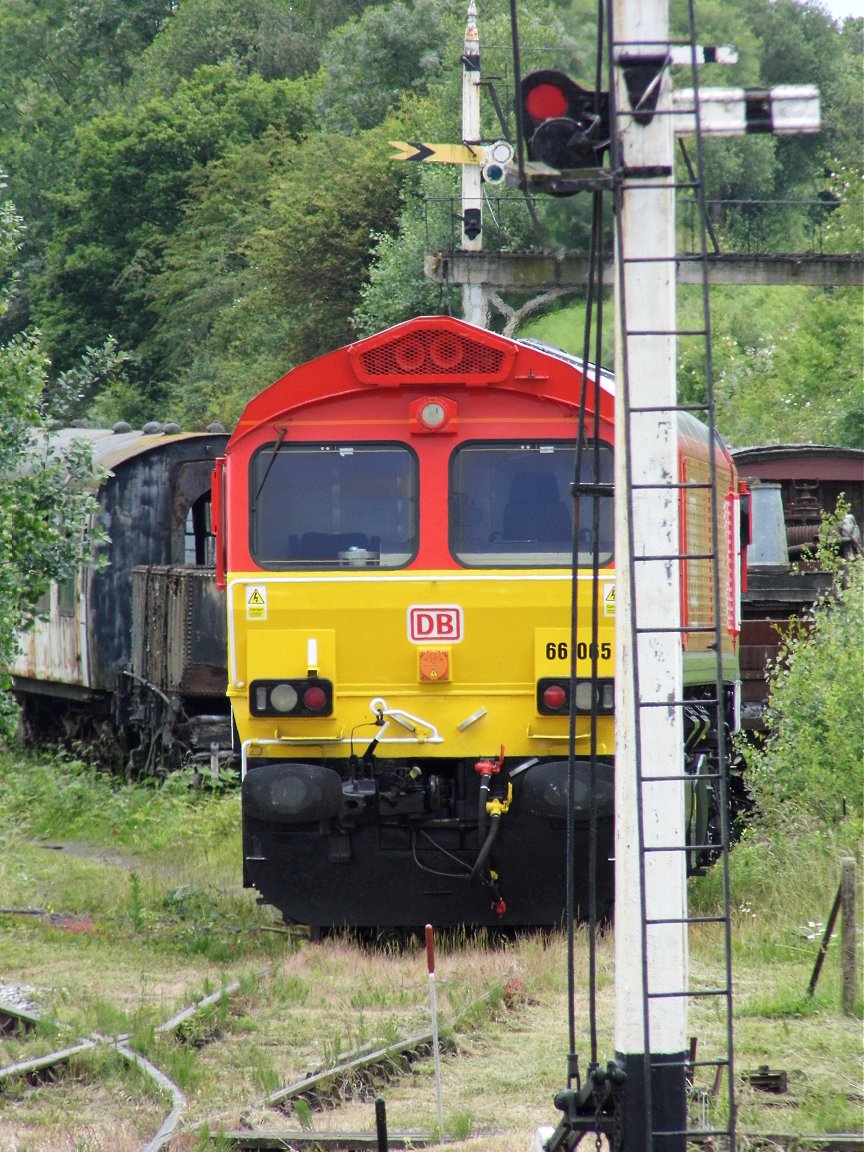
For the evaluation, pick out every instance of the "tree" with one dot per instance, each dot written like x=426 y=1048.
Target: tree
x=219 y=339
x=371 y=62
x=328 y=204
x=45 y=498
x=787 y=361
x=274 y=39
x=429 y=215
x=131 y=175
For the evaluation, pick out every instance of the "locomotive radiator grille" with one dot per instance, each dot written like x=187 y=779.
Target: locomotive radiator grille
x=432 y=355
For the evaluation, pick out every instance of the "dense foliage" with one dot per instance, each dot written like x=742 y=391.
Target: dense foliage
x=208 y=183
x=808 y=771
x=46 y=502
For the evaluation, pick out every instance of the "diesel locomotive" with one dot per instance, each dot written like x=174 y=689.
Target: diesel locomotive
x=420 y=628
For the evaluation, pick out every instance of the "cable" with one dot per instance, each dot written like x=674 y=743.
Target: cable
x=594 y=293
x=444 y=852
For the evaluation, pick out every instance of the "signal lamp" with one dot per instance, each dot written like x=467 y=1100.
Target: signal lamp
x=495 y=161
x=472 y=223
x=303 y=697
x=565 y=126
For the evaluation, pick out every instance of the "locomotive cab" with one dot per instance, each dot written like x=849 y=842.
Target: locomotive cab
x=415 y=534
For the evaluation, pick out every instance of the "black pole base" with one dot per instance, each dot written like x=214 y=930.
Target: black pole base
x=645 y=1115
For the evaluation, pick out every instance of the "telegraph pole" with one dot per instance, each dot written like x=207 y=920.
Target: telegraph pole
x=650 y=1040
x=475 y=306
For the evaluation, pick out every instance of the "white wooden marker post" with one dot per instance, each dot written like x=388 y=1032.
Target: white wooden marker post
x=475 y=308
x=433 y=1003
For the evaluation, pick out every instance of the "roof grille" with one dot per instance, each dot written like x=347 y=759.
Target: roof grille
x=431 y=354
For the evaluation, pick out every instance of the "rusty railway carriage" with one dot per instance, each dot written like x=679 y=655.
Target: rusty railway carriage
x=395 y=532
x=792 y=485
x=130 y=657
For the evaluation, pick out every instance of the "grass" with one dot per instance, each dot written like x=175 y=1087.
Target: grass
x=142 y=914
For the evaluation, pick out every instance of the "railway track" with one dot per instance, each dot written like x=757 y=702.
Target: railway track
x=355 y=1074
x=325 y=1103
x=47 y=1068
x=361 y=1074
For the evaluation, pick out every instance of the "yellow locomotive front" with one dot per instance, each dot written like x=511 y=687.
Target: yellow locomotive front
x=405 y=644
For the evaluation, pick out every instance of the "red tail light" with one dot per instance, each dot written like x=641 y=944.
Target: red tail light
x=315 y=698
x=554 y=697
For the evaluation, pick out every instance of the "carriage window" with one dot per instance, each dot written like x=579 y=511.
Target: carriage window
x=199 y=543
x=511 y=504
x=66 y=597
x=333 y=505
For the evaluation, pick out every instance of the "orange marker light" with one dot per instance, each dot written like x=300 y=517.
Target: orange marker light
x=434 y=664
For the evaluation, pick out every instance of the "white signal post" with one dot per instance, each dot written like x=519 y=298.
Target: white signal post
x=645 y=351
x=475 y=306
x=433 y=1004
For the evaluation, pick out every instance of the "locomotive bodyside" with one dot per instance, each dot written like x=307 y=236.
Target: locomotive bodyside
x=397 y=535
x=87 y=670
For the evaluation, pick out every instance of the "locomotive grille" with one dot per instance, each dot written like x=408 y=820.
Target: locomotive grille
x=430 y=354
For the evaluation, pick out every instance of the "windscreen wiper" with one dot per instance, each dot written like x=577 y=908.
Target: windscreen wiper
x=282 y=433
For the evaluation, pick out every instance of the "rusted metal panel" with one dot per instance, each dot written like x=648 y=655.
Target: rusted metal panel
x=179 y=637
x=50 y=650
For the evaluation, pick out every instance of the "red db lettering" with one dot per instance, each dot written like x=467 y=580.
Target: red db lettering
x=445 y=623
x=435 y=622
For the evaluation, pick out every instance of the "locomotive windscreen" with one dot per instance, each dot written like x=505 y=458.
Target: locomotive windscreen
x=334 y=504
x=510 y=503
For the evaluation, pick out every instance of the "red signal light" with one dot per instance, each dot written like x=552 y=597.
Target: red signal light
x=314 y=698
x=554 y=697
x=545 y=101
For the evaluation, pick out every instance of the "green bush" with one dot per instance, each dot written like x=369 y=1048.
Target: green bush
x=808 y=771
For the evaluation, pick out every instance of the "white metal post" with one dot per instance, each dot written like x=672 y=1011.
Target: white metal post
x=647 y=454
x=475 y=307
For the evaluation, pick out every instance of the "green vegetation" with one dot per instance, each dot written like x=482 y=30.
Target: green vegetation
x=199 y=198
x=806 y=782
x=808 y=773
x=208 y=185
x=45 y=500
x=140 y=914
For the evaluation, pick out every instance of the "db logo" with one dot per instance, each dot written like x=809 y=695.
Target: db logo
x=435 y=622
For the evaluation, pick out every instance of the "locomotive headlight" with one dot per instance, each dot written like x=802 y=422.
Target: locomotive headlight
x=438 y=413
x=283 y=698
x=433 y=414
x=584 y=695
